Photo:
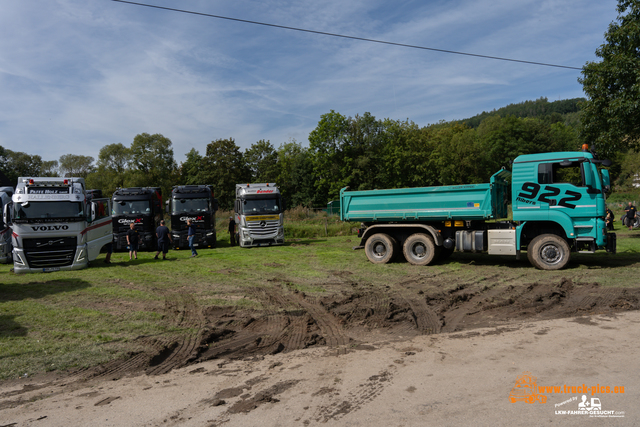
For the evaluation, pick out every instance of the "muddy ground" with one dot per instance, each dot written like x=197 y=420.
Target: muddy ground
x=351 y=317
x=287 y=327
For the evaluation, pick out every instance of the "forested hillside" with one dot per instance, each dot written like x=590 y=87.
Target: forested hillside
x=566 y=110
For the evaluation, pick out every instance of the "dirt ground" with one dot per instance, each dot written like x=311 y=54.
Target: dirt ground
x=359 y=355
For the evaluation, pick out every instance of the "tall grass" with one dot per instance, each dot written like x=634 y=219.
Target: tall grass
x=299 y=223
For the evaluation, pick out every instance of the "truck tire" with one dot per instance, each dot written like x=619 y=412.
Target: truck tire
x=548 y=252
x=380 y=248
x=419 y=249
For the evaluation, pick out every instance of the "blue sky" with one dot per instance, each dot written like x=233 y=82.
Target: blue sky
x=76 y=75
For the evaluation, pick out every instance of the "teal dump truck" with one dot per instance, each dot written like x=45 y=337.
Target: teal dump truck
x=557 y=200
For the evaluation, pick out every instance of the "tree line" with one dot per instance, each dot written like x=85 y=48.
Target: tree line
x=361 y=152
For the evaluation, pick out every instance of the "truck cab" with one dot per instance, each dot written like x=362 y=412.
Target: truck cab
x=195 y=203
x=141 y=206
x=55 y=226
x=562 y=196
x=259 y=215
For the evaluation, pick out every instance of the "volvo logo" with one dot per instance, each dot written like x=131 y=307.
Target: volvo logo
x=263 y=224
x=49 y=243
x=50 y=227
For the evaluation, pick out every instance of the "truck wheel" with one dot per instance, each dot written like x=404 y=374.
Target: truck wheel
x=419 y=249
x=548 y=252
x=380 y=248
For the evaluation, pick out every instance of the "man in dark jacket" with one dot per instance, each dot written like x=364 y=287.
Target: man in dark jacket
x=631 y=215
x=164 y=238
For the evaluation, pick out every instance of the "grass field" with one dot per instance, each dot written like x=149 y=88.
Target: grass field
x=80 y=319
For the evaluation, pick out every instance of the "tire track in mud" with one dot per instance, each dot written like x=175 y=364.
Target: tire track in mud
x=188 y=316
x=290 y=320
x=162 y=354
x=328 y=324
x=355 y=399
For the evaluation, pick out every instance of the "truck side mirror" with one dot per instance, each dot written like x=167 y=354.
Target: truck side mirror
x=588 y=174
x=214 y=203
x=6 y=214
x=166 y=208
x=93 y=212
x=606 y=180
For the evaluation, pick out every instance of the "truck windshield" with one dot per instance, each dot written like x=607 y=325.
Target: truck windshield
x=131 y=207
x=48 y=211
x=261 y=206
x=190 y=205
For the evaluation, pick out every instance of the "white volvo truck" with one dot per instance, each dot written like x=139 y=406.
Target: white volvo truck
x=259 y=215
x=55 y=225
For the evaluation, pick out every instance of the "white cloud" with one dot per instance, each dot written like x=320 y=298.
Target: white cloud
x=76 y=76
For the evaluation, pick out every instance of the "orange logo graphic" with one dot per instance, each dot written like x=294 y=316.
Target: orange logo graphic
x=526 y=389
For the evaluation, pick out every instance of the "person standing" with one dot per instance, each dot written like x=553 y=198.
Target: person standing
x=164 y=237
x=609 y=219
x=232 y=231
x=631 y=215
x=191 y=236
x=133 y=240
x=109 y=248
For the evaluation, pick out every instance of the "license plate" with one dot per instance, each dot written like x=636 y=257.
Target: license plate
x=50 y=269
x=263 y=244
x=196 y=244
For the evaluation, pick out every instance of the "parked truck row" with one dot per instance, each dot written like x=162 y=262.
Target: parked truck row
x=51 y=224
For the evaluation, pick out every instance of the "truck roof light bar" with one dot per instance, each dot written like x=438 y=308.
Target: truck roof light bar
x=63 y=183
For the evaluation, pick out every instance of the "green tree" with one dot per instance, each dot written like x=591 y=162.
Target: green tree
x=326 y=144
x=611 y=114
x=347 y=152
x=223 y=166
x=295 y=177
x=49 y=168
x=262 y=159
x=152 y=162
x=113 y=169
x=75 y=165
x=191 y=169
x=16 y=164
x=629 y=175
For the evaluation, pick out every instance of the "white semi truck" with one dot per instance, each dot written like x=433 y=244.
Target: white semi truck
x=56 y=225
x=259 y=215
x=5 y=230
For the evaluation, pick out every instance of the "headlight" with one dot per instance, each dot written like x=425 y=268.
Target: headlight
x=80 y=255
x=17 y=258
x=246 y=234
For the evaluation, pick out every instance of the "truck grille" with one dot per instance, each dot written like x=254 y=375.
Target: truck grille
x=50 y=252
x=261 y=229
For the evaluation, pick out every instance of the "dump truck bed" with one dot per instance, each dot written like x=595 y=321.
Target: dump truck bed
x=452 y=202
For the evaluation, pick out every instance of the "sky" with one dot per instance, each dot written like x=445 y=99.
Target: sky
x=76 y=75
